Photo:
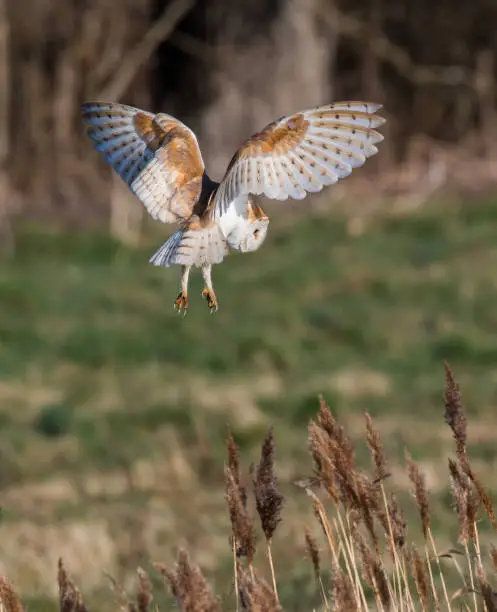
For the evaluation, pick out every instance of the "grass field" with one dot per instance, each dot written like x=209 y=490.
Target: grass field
x=113 y=409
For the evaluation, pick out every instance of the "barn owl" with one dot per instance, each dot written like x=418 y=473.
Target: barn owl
x=159 y=158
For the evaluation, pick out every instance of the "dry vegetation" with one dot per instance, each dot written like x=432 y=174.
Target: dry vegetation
x=363 y=560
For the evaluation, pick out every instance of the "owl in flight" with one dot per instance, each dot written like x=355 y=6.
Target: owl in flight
x=158 y=157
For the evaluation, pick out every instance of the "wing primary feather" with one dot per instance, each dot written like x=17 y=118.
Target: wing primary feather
x=343 y=155
x=335 y=164
x=288 y=185
x=323 y=171
x=304 y=179
x=292 y=176
x=340 y=130
x=281 y=179
x=361 y=147
x=272 y=188
x=331 y=118
x=366 y=107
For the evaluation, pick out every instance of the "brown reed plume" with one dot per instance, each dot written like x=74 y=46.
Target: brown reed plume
x=234 y=464
x=144 y=596
x=379 y=458
x=455 y=416
x=422 y=502
x=369 y=506
x=189 y=586
x=269 y=501
x=420 y=493
x=493 y=557
x=313 y=553
x=242 y=527
x=312 y=550
x=342 y=460
x=467 y=506
x=484 y=496
x=418 y=572
x=342 y=447
x=485 y=590
x=320 y=447
x=343 y=594
x=373 y=574
x=465 y=501
x=70 y=599
x=9 y=601
x=398 y=521
x=255 y=593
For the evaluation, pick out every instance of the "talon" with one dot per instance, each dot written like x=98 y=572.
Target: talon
x=211 y=300
x=181 y=303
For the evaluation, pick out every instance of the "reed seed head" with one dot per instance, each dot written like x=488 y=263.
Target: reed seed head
x=378 y=456
x=368 y=506
x=372 y=572
x=484 y=496
x=241 y=524
x=234 y=464
x=144 y=596
x=70 y=599
x=269 y=501
x=493 y=557
x=343 y=595
x=313 y=552
x=189 y=586
x=397 y=520
x=420 y=493
x=418 y=572
x=455 y=416
x=464 y=499
x=9 y=601
x=486 y=591
x=255 y=593
x=321 y=450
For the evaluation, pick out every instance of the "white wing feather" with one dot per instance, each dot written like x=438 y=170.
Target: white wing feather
x=302 y=153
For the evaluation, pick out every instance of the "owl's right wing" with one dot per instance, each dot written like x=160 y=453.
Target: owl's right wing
x=157 y=156
x=301 y=153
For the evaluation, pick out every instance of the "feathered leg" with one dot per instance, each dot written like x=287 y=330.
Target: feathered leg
x=208 y=291
x=181 y=302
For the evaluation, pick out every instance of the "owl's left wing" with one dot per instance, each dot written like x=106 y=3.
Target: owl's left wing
x=302 y=153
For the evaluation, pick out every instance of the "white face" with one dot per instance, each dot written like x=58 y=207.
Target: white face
x=248 y=235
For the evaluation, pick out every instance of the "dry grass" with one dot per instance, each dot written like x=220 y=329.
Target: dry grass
x=371 y=563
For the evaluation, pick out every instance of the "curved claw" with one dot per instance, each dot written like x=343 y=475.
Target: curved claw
x=210 y=296
x=181 y=303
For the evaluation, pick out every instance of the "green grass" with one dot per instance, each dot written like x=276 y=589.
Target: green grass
x=98 y=372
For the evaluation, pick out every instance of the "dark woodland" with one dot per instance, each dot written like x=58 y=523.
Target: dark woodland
x=226 y=69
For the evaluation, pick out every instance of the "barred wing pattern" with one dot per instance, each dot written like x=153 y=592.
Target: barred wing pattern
x=302 y=153
x=157 y=156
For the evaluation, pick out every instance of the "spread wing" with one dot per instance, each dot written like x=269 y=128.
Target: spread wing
x=302 y=153
x=157 y=156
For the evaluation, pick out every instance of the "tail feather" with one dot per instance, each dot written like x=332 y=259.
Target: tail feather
x=165 y=255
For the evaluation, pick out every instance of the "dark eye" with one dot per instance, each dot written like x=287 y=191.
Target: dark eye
x=256 y=233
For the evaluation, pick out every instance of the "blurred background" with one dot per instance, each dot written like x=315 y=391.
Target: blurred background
x=113 y=410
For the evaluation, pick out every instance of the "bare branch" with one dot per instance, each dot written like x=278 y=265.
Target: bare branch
x=159 y=31
x=392 y=54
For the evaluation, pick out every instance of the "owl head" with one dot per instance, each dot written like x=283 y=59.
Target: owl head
x=250 y=230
